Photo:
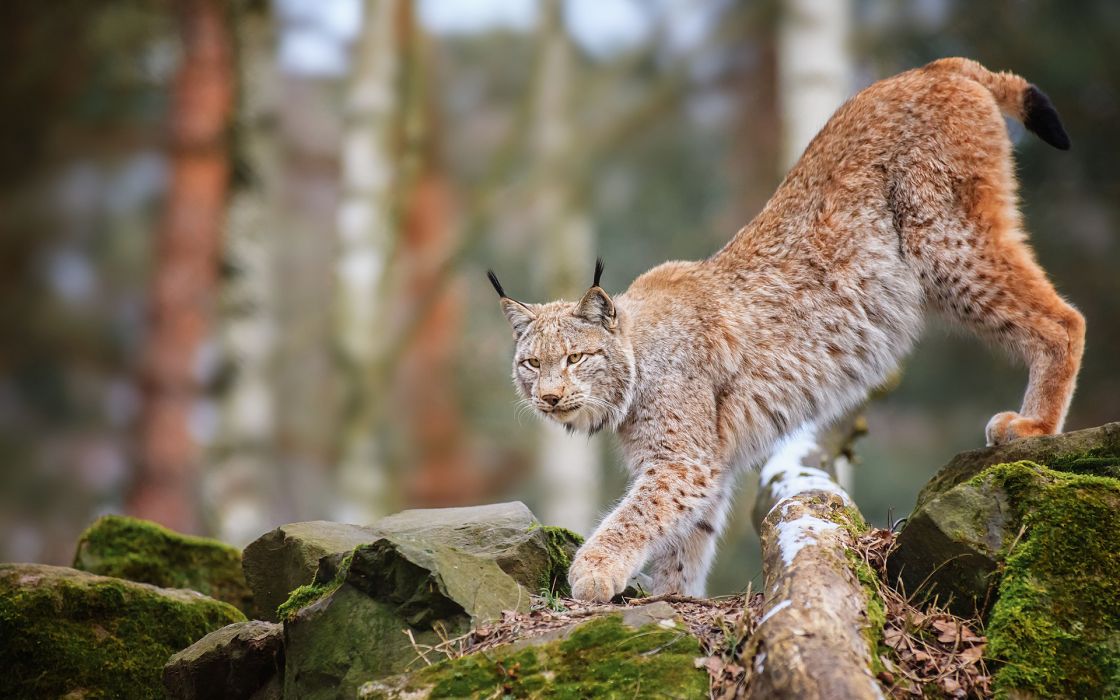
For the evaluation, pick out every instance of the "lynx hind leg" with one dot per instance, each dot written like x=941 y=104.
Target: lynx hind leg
x=984 y=277
x=682 y=566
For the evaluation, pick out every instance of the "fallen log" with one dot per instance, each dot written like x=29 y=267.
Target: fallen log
x=816 y=638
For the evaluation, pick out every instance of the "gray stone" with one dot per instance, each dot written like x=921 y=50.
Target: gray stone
x=286 y=558
x=427 y=576
x=236 y=662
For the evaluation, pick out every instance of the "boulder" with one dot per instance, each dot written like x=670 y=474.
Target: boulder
x=535 y=556
x=639 y=653
x=506 y=533
x=241 y=661
x=71 y=633
x=1036 y=548
x=387 y=597
x=143 y=551
x=956 y=538
x=286 y=558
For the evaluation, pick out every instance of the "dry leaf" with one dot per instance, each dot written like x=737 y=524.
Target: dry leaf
x=973 y=654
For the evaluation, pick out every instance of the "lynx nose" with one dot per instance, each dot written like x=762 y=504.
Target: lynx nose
x=551 y=399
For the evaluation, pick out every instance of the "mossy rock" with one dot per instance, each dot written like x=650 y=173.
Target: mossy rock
x=68 y=633
x=603 y=658
x=1037 y=551
x=954 y=542
x=353 y=628
x=1055 y=627
x=146 y=552
x=1092 y=451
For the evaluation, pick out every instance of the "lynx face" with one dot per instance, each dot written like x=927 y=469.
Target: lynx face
x=572 y=362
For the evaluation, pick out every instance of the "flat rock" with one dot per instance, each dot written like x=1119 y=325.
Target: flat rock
x=146 y=552
x=506 y=533
x=237 y=662
x=69 y=633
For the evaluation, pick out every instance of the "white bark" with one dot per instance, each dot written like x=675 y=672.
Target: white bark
x=239 y=483
x=568 y=465
x=366 y=230
x=814 y=69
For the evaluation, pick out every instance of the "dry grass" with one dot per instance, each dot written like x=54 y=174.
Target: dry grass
x=928 y=650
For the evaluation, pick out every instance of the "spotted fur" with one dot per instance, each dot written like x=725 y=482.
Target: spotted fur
x=904 y=202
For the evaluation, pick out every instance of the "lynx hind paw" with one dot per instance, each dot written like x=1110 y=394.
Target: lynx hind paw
x=1009 y=425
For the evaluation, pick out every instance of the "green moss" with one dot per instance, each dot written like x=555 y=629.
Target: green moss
x=600 y=659
x=876 y=610
x=1056 y=623
x=562 y=544
x=309 y=593
x=143 y=551
x=65 y=632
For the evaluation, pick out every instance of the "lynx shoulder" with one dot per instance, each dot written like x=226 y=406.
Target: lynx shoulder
x=904 y=202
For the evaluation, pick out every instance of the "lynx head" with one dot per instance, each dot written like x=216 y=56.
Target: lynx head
x=572 y=362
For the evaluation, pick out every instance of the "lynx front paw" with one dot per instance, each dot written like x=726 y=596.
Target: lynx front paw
x=597 y=577
x=1009 y=425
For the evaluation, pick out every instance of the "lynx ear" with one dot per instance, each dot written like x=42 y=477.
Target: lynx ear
x=518 y=315
x=597 y=307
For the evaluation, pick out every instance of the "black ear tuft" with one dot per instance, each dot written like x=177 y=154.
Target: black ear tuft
x=598 y=270
x=497 y=285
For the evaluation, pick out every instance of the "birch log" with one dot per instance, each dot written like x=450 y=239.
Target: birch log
x=811 y=641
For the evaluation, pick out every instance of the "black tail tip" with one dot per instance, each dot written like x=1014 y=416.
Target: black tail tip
x=1040 y=117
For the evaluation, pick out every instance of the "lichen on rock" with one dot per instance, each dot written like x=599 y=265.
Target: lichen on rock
x=146 y=552
x=70 y=633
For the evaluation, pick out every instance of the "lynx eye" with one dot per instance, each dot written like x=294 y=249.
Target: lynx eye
x=532 y=362
x=575 y=358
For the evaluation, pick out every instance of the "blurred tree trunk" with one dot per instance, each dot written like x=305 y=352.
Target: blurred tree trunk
x=814 y=78
x=569 y=465
x=367 y=229
x=304 y=382
x=184 y=274
x=440 y=472
x=241 y=483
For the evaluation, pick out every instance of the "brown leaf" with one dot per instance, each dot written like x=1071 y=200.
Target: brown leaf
x=973 y=654
x=950 y=685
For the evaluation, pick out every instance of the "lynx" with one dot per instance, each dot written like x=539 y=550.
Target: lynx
x=904 y=201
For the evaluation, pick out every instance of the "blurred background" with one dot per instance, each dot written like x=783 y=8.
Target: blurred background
x=243 y=243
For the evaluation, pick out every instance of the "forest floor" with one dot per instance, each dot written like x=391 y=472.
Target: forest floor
x=922 y=651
